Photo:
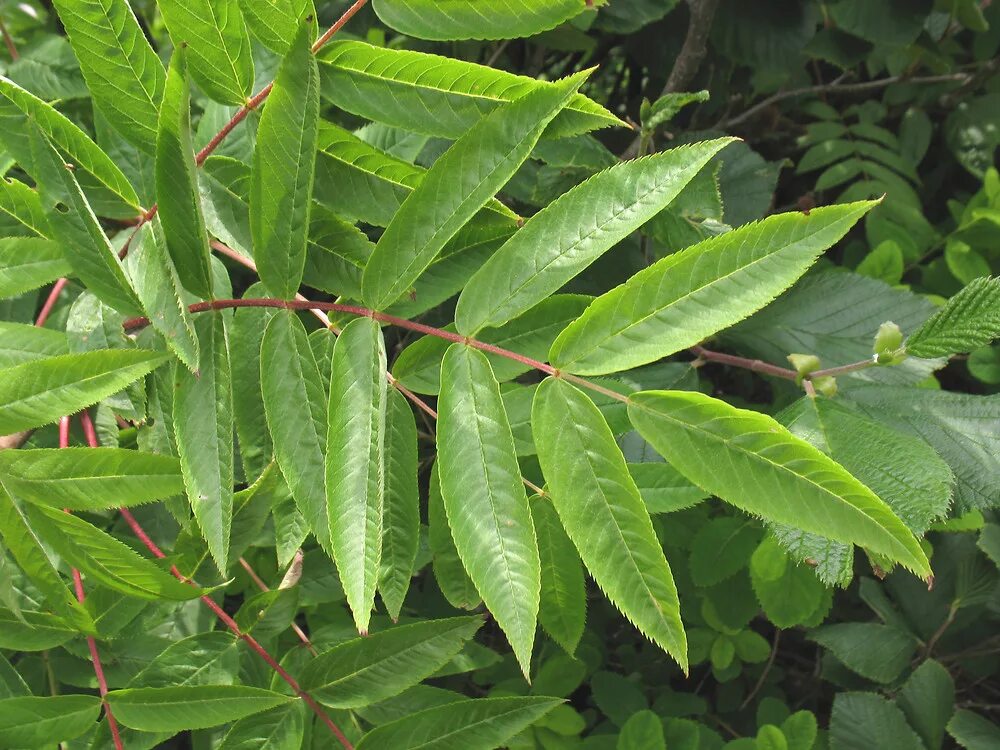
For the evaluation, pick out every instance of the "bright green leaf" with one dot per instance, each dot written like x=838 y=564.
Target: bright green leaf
x=39 y=722
x=215 y=38
x=355 y=452
x=177 y=185
x=760 y=467
x=688 y=296
x=366 y=670
x=569 y=234
x=203 y=422
x=603 y=513
x=174 y=709
x=27 y=263
x=122 y=71
x=281 y=183
x=478 y=19
x=41 y=391
x=456 y=187
x=483 y=496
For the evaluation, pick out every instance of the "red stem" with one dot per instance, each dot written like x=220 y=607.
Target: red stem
x=264 y=587
x=95 y=657
x=50 y=302
x=755 y=365
x=229 y=622
x=9 y=41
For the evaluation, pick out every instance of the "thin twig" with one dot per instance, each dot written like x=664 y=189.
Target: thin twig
x=264 y=587
x=9 y=41
x=763 y=675
x=837 y=86
x=95 y=657
x=229 y=622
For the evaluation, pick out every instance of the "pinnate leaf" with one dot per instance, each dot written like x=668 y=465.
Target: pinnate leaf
x=968 y=320
x=174 y=709
x=562 y=608
x=484 y=499
x=203 y=423
x=477 y=724
x=275 y=22
x=89 y=478
x=752 y=462
x=216 y=40
x=366 y=670
x=75 y=226
x=460 y=183
x=603 y=513
x=26 y=548
x=122 y=71
x=38 y=722
x=40 y=391
x=27 y=263
x=177 y=184
x=573 y=231
x=462 y=19
x=436 y=95
x=295 y=405
x=401 y=516
x=688 y=296
x=355 y=450
x=281 y=183
x=105 y=559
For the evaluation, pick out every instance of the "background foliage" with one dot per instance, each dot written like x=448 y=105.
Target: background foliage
x=740 y=561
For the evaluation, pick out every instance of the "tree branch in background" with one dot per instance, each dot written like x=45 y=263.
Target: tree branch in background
x=695 y=44
x=9 y=41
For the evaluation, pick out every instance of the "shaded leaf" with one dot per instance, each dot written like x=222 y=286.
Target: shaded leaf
x=36 y=722
x=174 y=709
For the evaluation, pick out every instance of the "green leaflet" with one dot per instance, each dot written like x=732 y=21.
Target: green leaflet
x=275 y=22
x=418 y=367
x=902 y=470
x=25 y=547
x=968 y=320
x=122 y=71
x=177 y=185
x=644 y=729
x=106 y=560
x=75 y=226
x=366 y=670
x=972 y=730
x=401 y=514
x=208 y=658
x=174 y=709
x=690 y=295
x=32 y=631
x=456 y=187
x=295 y=405
x=449 y=572
x=24 y=205
x=573 y=231
x=278 y=729
x=476 y=724
x=281 y=183
x=39 y=392
x=215 y=38
x=751 y=461
x=27 y=263
x=355 y=450
x=603 y=513
x=39 y=722
x=89 y=478
x=483 y=496
x=563 y=607
x=23 y=342
x=436 y=95
x=99 y=175
x=245 y=334
x=462 y=19
x=203 y=423
x=156 y=284
x=356 y=180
